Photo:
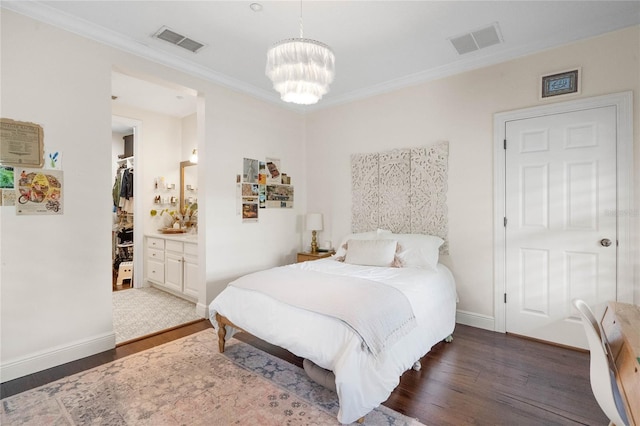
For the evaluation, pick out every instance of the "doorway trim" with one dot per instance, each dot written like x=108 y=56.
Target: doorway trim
x=623 y=102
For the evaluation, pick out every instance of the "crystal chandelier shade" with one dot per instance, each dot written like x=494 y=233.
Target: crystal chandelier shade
x=301 y=69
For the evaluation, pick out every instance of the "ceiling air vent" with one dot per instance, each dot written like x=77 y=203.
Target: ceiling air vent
x=478 y=39
x=173 y=37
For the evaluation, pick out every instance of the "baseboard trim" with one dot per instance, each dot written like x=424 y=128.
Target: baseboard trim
x=60 y=355
x=202 y=310
x=475 y=320
x=43 y=360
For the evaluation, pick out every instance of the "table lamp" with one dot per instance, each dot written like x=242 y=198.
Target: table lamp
x=314 y=223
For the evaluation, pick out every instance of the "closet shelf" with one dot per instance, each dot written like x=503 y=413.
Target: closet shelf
x=127 y=161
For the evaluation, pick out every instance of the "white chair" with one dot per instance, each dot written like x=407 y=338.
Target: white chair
x=603 y=381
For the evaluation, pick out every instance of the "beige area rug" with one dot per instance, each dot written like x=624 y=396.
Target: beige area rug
x=138 y=312
x=187 y=382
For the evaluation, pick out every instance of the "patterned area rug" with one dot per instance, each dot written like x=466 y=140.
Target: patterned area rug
x=187 y=382
x=141 y=311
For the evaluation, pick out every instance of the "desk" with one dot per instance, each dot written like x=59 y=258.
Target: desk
x=621 y=325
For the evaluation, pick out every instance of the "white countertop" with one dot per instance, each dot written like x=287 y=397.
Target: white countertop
x=190 y=238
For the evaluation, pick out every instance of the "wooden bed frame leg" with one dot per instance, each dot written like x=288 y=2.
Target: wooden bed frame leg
x=361 y=420
x=223 y=322
x=222 y=332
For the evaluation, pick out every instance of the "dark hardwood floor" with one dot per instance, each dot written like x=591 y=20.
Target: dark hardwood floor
x=481 y=378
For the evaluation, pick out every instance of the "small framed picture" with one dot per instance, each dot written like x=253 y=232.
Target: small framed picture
x=560 y=83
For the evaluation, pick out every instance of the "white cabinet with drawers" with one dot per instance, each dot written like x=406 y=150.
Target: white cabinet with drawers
x=154 y=260
x=172 y=264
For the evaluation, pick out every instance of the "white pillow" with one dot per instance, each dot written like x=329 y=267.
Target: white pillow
x=418 y=250
x=383 y=232
x=370 y=235
x=371 y=252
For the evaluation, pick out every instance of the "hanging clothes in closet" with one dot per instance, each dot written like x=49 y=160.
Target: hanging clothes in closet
x=116 y=190
x=123 y=190
x=122 y=231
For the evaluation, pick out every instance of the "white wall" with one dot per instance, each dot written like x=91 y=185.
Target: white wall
x=55 y=272
x=460 y=109
x=254 y=130
x=189 y=136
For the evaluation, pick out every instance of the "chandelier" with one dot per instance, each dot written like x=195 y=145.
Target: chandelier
x=301 y=69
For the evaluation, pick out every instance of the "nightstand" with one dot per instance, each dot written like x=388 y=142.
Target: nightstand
x=305 y=256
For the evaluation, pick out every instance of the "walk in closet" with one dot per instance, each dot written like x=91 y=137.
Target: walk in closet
x=122 y=231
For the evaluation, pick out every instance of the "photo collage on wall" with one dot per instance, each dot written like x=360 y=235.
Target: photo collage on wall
x=31 y=191
x=263 y=185
x=6 y=186
x=29 y=182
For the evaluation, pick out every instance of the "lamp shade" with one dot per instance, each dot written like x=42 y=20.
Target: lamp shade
x=301 y=69
x=314 y=221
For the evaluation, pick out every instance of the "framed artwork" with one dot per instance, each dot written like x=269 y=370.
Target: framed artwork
x=38 y=191
x=21 y=143
x=560 y=83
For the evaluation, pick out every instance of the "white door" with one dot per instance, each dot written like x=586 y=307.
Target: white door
x=560 y=200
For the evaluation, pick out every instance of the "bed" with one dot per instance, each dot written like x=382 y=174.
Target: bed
x=411 y=305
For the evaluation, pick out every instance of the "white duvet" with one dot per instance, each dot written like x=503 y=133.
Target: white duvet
x=362 y=380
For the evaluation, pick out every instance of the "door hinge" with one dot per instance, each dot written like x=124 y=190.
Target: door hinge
x=505 y=144
x=505 y=222
x=505 y=298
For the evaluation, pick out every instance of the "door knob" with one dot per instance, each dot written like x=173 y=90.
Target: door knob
x=605 y=242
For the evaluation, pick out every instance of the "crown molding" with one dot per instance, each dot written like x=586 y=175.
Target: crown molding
x=49 y=15
x=471 y=62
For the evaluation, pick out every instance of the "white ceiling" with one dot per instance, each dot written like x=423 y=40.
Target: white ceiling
x=379 y=45
x=156 y=96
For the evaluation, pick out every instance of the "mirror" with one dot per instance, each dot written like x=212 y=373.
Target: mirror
x=188 y=184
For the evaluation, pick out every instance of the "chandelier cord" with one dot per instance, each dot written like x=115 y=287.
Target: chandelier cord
x=301 y=26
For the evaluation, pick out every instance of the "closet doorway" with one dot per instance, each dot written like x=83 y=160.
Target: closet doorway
x=160 y=120
x=125 y=242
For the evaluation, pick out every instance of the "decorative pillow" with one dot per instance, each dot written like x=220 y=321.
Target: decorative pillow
x=370 y=235
x=342 y=248
x=397 y=260
x=371 y=252
x=417 y=250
